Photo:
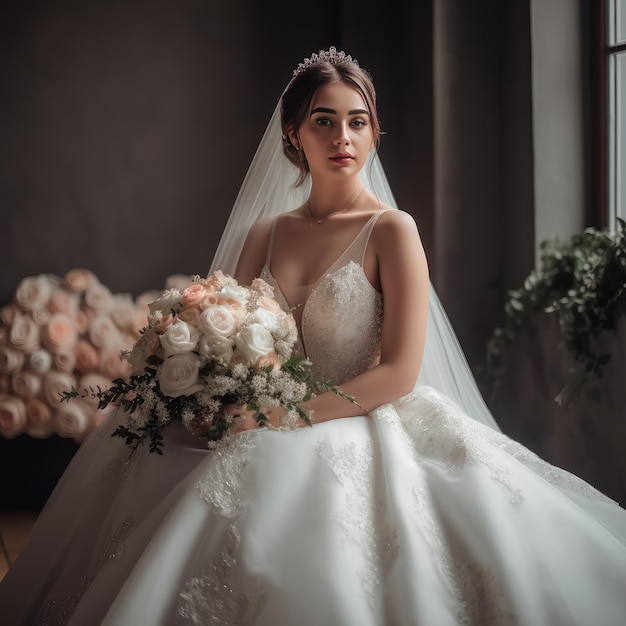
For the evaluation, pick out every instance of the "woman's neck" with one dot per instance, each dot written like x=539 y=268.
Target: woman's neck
x=326 y=200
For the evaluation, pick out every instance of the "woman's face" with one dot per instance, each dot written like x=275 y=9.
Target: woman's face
x=337 y=135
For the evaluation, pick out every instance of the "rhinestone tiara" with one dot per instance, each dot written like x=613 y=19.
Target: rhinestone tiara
x=331 y=56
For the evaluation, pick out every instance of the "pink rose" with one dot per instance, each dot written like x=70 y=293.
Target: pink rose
x=5 y=383
x=164 y=322
x=82 y=322
x=268 y=303
x=104 y=334
x=210 y=299
x=189 y=315
x=59 y=333
x=269 y=360
x=12 y=416
x=8 y=313
x=98 y=298
x=64 y=360
x=87 y=357
x=34 y=292
x=193 y=294
x=54 y=384
x=26 y=384
x=10 y=360
x=112 y=366
x=38 y=419
x=72 y=420
x=79 y=280
x=62 y=301
x=24 y=334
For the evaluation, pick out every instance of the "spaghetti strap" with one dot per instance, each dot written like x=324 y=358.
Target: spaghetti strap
x=358 y=248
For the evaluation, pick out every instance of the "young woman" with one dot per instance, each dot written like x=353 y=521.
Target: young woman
x=400 y=509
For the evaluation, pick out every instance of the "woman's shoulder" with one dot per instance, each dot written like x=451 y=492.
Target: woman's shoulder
x=395 y=223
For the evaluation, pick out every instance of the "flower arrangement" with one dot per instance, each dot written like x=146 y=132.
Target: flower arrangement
x=582 y=282
x=212 y=344
x=60 y=332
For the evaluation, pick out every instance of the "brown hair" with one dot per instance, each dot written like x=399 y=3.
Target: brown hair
x=297 y=98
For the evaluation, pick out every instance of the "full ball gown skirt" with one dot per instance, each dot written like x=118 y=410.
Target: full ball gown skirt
x=412 y=515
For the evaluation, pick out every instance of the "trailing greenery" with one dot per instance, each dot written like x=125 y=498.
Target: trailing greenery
x=583 y=283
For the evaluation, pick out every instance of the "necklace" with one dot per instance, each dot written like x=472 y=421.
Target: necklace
x=351 y=205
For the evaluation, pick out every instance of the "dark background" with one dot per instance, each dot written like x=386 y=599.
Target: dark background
x=126 y=129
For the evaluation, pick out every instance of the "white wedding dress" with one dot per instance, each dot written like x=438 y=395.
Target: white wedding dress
x=412 y=515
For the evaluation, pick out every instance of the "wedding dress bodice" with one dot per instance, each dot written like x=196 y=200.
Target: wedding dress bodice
x=341 y=324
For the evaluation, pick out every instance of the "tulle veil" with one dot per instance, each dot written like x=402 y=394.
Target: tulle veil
x=269 y=189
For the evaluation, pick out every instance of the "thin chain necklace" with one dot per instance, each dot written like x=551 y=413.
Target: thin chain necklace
x=351 y=205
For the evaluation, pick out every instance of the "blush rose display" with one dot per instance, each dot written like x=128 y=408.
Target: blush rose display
x=210 y=344
x=61 y=331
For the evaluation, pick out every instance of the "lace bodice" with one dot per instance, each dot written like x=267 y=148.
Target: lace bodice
x=341 y=317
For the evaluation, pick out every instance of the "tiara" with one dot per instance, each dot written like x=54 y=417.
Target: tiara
x=330 y=56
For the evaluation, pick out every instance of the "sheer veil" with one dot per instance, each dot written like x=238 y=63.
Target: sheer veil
x=269 y=189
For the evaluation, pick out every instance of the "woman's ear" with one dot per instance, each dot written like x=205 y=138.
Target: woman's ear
x=295 y=141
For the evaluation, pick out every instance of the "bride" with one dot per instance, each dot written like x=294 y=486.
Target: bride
x=409 y=507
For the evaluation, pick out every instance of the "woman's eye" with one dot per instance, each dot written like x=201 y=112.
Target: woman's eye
x=358 y=123
x=323 y=121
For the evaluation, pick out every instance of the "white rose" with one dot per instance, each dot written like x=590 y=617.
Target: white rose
x=270 y=320
x=25 y=334
x=253 y=342
x=178 y=376
x=99 y=298
x=217 y=321
x=72 y=420
x=169 y=302
x=218 y=347
x=26 y=384
x=103 y=332
x=40 y=361
x=179 y=338
x=235 y=292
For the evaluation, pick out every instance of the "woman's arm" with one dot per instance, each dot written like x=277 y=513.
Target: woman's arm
x=405 y=284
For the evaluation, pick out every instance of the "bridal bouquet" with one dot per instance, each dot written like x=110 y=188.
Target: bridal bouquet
x=211 y=344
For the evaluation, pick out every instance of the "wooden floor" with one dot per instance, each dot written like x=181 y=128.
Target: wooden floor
x=15 y=527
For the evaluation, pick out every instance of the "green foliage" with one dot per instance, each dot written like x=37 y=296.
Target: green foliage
x=583 y=283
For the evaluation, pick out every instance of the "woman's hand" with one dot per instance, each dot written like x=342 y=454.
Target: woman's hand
x=243 y=418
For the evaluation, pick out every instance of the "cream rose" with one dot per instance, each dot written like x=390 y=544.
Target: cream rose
x=189 y=315
x=169 y=302
x=79 y=280
x=24 y=334
x=146 y=345
x=268 y=303
x=217 y=321
x=72 y=420
x=218 y=347
x=104 y=333
x=178 y=376
x=253 y=342
x=179 y=338
x=270 y=320
x=12 y=416
x=123 y=313
x=59 y=333
x=40 y=361
x=10 y=360
x=269 y=360
x=54 y=384
x=99 y=299
x=41 y=317
x=34 y=292
x=26 y=384
x=64 y=360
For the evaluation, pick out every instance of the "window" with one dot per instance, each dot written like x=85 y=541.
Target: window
x=615 y=72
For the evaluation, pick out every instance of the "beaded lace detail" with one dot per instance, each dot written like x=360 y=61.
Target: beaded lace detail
x=214 y=599
x=59 y=612
x=364 y=519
